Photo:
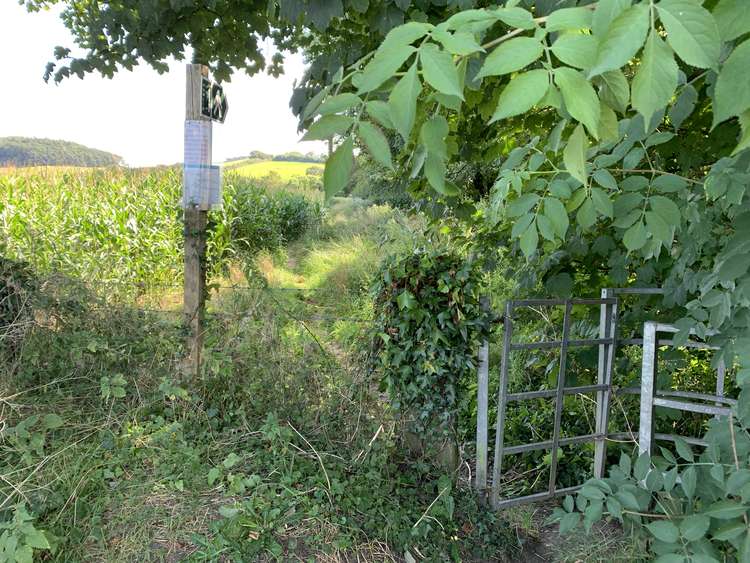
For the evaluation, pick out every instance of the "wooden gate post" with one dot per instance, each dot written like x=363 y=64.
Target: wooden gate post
x=196 y=220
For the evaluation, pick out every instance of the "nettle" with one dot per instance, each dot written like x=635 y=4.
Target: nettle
x=643 y=117
x=429 y=324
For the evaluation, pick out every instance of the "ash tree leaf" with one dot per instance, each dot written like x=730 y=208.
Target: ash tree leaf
x=658 y=228
x=433 y=134
x=624 y=37
x=380 y=111
x=574 y=154
x=515 y=17
x=683 y=106
x=341 y=102
x=691 y=31
x=566 y=19
x=555 y=211
x=523 y=205
x=404 y=35
x=529 y=240
x=605 y=179
x=635 y=237
x=338 y=168
x=403 y=102
x=328 y=126
x=725 y=509
x=688 y=480
x=732 y=18
x=569 y=522
x=580 y=98
x=668 y=211
x=664 y=530
x=615 y=90
x=523 y=92
x=576 y=50
x=602 y=202
x=744 y=141
x=732 y=96
x=521 y=224
x=545 y=227
x=439 y=71
x=605 y=13
x=376 y=143
x=656 y=78
x=383 y=66
x=694 y=527
x=609 y=129
x=459 y=43
x=586 y=215
x=511 y=56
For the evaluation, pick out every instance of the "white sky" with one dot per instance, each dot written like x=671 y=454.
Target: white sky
x=138 y=115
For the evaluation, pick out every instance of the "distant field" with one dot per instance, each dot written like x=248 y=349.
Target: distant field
x=287 y=170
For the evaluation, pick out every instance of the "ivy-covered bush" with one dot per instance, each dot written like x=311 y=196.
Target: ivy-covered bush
x=429 y=325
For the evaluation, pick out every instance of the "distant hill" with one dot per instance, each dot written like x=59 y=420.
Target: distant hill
x=28 y=151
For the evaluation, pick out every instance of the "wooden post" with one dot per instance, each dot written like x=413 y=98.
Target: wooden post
x=196 y=220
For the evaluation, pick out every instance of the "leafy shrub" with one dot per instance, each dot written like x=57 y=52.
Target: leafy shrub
x=429 y=323
x=687 y=507
x=255 y=219
x=16 y=290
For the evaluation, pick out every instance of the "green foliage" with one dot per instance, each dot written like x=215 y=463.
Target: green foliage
x=683 y=509
x=20 y=539
x=429 y=322
x=26 y=151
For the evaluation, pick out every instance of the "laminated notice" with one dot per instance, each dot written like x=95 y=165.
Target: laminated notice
x=201 y=180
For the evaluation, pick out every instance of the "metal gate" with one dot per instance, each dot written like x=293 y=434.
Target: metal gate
x=607 y=342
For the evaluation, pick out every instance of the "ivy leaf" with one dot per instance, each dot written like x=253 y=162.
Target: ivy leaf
x=569 y=18
x=336 y=104
x=575 y=49
x=403 y=102
x=574 y=155
x=511 y=56
x=733 y=85
x=383 y=66
x=732 y=18
x=529 y=240
x=338 y=168
x=656 y=79
x=635 y=237
x=664 y=530
x=555 y=211
x=328 y=126
x=624 y=37
x=523 y=92
x=376 y=143
x=406 y=300
x=439 y=71
x=691 y=32
x=580 y=99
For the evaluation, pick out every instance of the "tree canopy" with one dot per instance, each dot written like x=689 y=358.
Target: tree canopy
x=27 y=151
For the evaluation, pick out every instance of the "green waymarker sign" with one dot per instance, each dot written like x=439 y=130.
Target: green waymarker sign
x=213 y=101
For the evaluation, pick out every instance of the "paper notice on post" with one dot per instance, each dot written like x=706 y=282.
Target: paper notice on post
x=201 y=180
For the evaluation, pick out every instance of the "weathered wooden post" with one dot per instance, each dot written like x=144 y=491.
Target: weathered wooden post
x=197 y=142
x=204 y=103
